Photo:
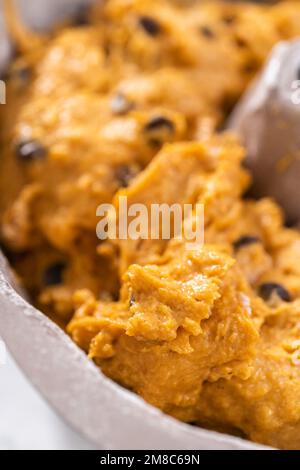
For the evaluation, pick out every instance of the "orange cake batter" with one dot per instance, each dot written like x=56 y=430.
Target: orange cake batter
x=128 y=100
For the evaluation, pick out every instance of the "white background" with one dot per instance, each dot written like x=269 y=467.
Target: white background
x=26 y=421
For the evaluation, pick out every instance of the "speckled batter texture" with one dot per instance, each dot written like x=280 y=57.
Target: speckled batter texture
x=127 y=102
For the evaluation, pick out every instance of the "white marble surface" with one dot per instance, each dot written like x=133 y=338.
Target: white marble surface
x=26 y=420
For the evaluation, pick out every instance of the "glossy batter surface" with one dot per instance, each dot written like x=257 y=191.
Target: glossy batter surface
x=98 y=110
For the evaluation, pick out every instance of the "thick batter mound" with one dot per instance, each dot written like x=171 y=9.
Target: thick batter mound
x=97 y=110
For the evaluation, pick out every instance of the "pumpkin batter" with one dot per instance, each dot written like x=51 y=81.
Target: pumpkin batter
x=209 y=336
x=97 y=110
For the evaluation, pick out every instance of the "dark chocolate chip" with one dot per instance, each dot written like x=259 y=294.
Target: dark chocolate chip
x=245 y=241
x=107 y=49
x=21 y=75
x=269 y=288
x=207 y=32
x=229 y=19
x=159 y=130
x=30 y=150
x=124 y=175
x=250 y=67
x=150 y=25
x=159 y=122
x=54 y=274
x=120 y=105
x=241 y=43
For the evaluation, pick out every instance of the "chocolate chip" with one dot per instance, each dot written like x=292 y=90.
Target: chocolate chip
x=269 y=288
x=250 y=67
x=150 y=25
x=54 y=274
x=245 y=240
x=241 y=43
x=159 y=130
x=21 y=75
x=159 y=123
x=124 y=175
x=132 y=301
x=207 y=32
x=229 y=19
x=120 y=105
x=30 y=150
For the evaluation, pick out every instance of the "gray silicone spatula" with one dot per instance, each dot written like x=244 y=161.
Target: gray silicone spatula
x=268 y=122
